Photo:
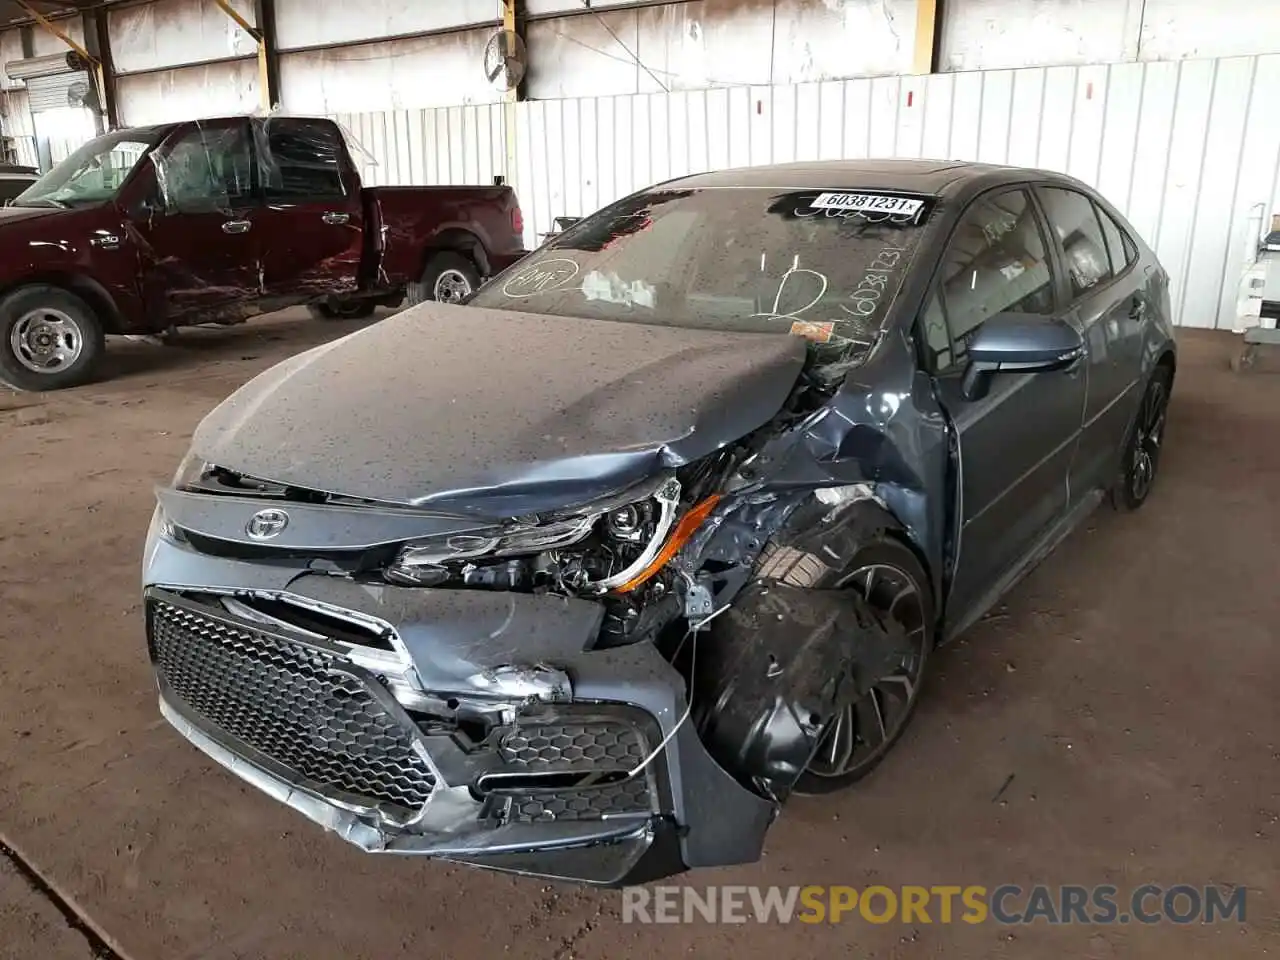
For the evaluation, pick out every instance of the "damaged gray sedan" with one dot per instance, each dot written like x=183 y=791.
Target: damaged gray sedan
x=584 y=578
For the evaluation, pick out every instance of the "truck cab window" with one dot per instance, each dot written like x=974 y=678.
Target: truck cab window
x=301 y=160
x=207 y=168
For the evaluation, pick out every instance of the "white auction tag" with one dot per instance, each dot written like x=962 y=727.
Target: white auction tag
x=867 y=203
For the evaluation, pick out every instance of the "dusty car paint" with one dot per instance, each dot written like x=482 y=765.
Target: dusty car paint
x=515 y=441
x=783 y=444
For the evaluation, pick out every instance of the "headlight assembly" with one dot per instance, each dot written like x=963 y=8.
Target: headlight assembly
x=495 y=543
x=600 y=548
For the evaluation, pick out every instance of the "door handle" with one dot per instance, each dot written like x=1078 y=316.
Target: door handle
x=236 y=226
x=334 y=218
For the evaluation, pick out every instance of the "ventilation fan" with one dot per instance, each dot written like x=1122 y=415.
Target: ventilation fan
x=504 y=60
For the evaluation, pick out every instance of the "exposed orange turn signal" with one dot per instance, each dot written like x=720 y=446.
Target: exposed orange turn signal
x=685 y=529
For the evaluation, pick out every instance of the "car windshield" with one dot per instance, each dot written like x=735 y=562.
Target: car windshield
x=92 y=174
x=823 y=264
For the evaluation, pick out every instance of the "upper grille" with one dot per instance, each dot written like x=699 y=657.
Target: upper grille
x=286 y=701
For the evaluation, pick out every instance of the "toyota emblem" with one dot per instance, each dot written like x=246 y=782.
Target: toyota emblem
x=266 y=524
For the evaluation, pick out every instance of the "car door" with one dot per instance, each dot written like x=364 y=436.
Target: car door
x=1108 y=300
x=1015 y=442
x=313 y=225
x=198 y=252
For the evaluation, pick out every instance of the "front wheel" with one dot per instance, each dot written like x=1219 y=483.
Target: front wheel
x=891 y=580
x=50 y=339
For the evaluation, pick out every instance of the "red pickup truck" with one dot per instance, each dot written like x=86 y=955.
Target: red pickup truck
x=213 y=221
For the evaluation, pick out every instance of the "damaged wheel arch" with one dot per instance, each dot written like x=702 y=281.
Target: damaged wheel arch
x=839 y=602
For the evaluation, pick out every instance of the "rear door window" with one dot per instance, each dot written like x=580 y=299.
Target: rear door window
x=1073 y=217
x=1122 y=252
x=301 y=160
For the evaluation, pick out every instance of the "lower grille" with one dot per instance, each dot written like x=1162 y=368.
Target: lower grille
x=285 y=701
x=629 y=797
x=589 y=748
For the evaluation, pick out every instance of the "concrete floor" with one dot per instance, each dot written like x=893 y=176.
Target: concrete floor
x=1128 y=687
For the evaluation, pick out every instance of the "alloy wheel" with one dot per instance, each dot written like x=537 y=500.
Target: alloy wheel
x=1150 y=433
x=864 y=729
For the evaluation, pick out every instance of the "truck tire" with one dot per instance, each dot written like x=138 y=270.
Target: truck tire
x=449 y=277
x=353 y=310
x=50 y=339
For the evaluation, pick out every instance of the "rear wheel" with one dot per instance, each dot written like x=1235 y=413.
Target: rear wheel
x=449 y=277
x=1141 y=457
x=50 y=339
x=890 y=578
x=349 y=310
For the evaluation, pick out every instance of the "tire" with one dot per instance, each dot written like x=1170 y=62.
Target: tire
x=352 y=310
x=1140 y=459
x=449 y=277
x=50 y=339
x=893 y=568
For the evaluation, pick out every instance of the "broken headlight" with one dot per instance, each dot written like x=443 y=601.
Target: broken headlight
x=592 y=551
x=498 y=542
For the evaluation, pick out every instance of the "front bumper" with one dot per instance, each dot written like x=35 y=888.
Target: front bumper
x=359 y=752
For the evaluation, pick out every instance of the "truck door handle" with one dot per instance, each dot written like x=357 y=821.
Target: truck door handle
x=236 y=226
x=334 y=218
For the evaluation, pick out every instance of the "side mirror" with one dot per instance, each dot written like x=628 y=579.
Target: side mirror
x=1018 y=343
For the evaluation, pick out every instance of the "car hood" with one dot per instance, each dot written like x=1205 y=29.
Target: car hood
x=495 y=413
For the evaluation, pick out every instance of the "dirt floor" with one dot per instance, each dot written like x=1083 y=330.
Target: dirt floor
x=1128 y=688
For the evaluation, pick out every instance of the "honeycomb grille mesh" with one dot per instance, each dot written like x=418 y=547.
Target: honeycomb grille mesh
x=578 y=747
x=597 y=746
x=284 y=700
x=590 y=803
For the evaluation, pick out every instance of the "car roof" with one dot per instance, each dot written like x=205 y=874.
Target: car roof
x=938 y=177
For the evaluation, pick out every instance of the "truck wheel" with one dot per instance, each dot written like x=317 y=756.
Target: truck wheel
x=50 y=339
x=449 y=278
x=354 y=310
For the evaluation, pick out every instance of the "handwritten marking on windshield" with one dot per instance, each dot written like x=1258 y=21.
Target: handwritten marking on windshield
x=869 y=293
x=542 y=277
x=776 y=313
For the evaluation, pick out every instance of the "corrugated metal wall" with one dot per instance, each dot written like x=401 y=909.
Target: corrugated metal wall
x=1189 y=150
